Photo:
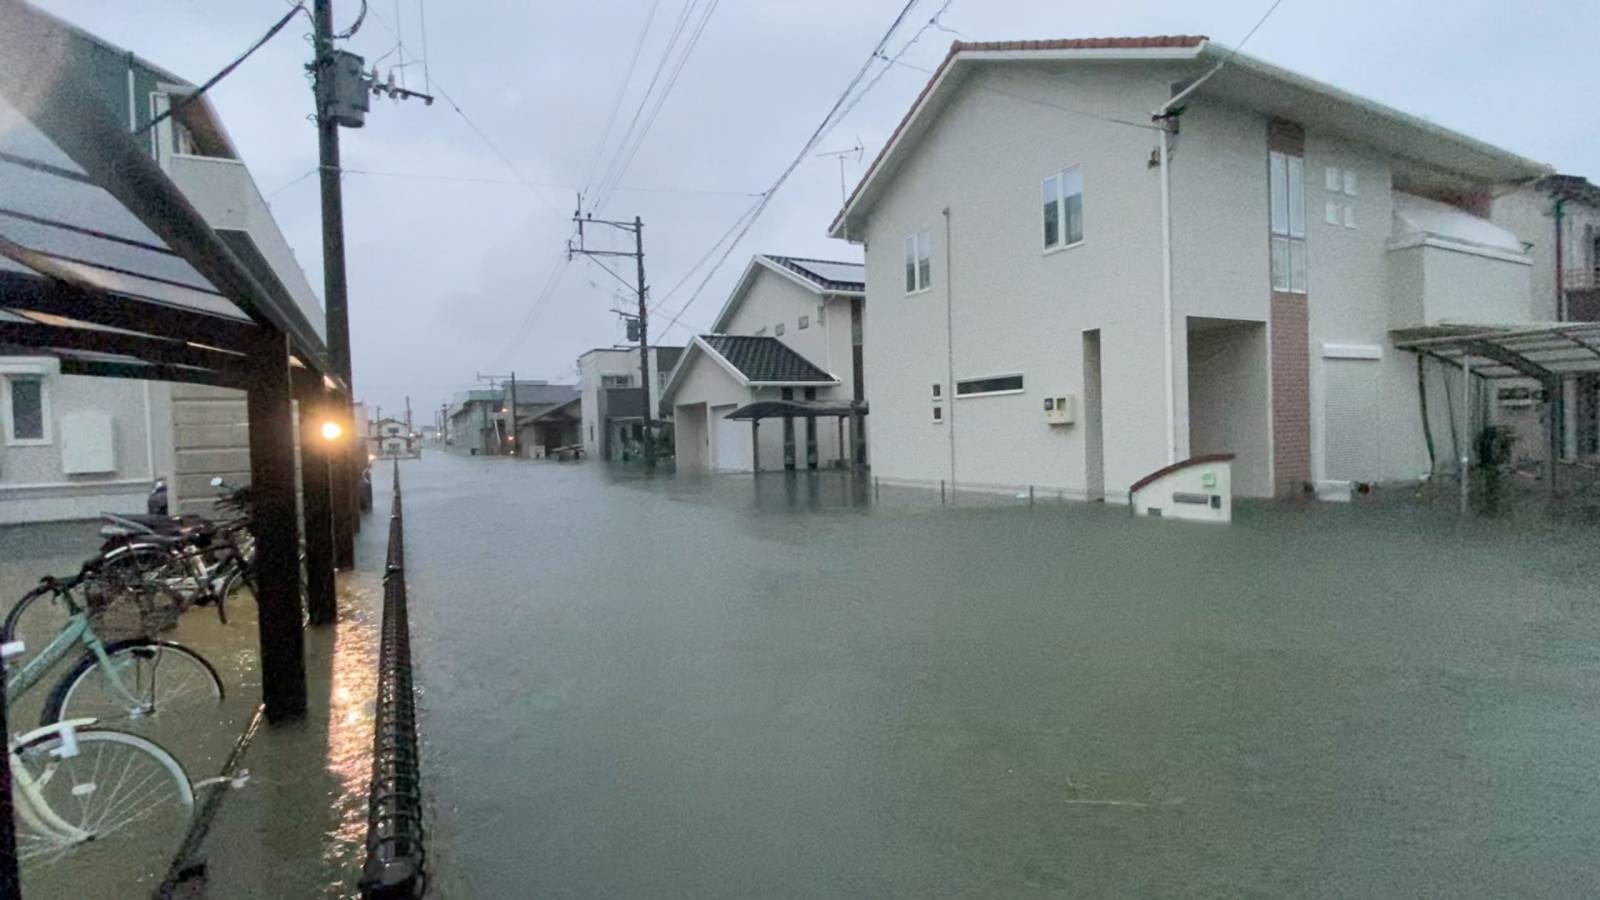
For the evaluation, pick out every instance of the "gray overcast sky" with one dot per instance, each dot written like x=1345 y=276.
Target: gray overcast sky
x=443 y=273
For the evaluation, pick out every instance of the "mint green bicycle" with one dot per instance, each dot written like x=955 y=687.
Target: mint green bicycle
x=136 y=683
x=79 y=788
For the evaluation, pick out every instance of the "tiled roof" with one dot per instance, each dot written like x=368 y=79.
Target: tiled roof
x=765 y=359
x=531 y=394
x=828 y=274
x=1152 y=42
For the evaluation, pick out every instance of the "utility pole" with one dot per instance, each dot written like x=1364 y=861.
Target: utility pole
x=408 y=415
x=333 y=274
x=515 y=450
x=637 y=228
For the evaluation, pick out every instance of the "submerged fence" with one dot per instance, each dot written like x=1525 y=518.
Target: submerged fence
x=396 y=854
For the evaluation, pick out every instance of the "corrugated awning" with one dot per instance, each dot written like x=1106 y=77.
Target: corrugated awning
x=104 y=263
x=797 y=409
x=1546 y=351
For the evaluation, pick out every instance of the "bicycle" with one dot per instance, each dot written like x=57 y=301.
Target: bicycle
x=138 y=681
x=76 y=787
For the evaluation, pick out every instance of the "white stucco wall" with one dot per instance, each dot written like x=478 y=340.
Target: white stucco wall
x=1013 y=307
x=610 y=361
x=33 y=484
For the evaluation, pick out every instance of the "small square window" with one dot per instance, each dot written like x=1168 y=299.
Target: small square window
x=919 y=264
x=1350 y=182
x=1331 y=212
x=805 y=322
x=1349 y=216
x=777 y=330
x=1331 y=179
x=822 y=313
x=27 y=408
x=938 y=414
x=938 y=390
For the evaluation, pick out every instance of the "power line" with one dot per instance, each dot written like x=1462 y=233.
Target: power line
x=469 y=179
x=226 y=71
x=644 y=99
x=622 y=91
x=445 y=95
x=821 y=131
x=661 y=100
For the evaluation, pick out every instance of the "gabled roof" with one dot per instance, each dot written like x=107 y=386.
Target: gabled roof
x=764 y=360
x=752 y=361
x=819 y=276
x=568 y=410
x=1245 y=81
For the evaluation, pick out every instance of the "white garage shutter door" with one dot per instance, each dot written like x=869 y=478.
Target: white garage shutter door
x=725 y=441
x=1350 y=419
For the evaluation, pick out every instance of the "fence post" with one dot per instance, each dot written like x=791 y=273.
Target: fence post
x=1030 y=495
x=941 y=492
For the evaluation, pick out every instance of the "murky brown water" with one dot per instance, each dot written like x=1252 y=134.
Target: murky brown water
x=731 y=687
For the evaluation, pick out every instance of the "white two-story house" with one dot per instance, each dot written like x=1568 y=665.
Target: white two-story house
x=1090 y=259
x=789 y=333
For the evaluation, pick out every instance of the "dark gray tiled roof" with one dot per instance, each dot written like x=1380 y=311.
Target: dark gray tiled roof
x=765 y=359
x=830 y=275
x=530 y=394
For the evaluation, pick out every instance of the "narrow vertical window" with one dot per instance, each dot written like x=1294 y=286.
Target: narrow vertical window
x=1052 y=211
x=27 y=410
x=1062 y=194
x=924 y=260
x=1287 y=220
x=919 y=264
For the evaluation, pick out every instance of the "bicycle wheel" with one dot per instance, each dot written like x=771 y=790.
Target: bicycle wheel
x=35 y=620
x=125 y=801
x=177 y=690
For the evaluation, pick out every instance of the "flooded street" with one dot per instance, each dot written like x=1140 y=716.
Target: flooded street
x=731 y=687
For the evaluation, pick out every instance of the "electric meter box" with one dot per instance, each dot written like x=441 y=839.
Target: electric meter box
x=1061 y=409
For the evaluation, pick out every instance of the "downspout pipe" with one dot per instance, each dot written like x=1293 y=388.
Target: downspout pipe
x=1166 y=122
x=1561 y=289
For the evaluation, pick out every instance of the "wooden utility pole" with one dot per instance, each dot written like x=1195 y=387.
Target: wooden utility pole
x=334 y=297
x=637 y=227
x=515 y=450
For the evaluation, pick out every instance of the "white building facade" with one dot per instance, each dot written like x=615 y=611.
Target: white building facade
x=605 y=369
x=1032 y=237
x=813 y=309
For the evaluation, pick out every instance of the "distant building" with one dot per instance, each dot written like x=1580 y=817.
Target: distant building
x=533 y=398
x=472 y=417
x=613 y=403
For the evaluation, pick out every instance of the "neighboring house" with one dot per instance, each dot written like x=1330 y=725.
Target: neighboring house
x=790 y=331
x=1031 y=326
x=1559 y=216
x=103 y=441
x=393 y=440
x=612 y=403
x=554 y=429
x=472 y=416
x=532 y=399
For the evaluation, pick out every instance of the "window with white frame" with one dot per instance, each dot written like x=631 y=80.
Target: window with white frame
x=1287 y=192
x=27 y=410
x=616 y=381
x=919 y=262
x=989 y=384
x=777 y=330
x=1063 y=208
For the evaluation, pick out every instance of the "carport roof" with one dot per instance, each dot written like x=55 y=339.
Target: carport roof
x=799 y=409
x=1545 y=351
x=104 y=264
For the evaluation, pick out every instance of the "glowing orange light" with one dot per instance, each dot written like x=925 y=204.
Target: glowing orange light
x=332 y=431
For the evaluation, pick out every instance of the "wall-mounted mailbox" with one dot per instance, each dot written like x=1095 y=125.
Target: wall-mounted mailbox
x=1061 y=409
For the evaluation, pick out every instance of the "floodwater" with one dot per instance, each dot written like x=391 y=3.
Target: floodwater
x=296 y=825
x=738 y=687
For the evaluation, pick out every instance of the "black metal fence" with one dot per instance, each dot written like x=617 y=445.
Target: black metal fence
x=396 y=857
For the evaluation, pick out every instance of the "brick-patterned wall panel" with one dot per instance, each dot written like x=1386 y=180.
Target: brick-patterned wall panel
x=1291 y=394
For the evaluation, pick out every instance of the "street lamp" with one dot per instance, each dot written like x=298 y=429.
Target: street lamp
x=332 y=431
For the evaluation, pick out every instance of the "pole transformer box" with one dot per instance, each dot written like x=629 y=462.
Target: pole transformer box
x=347 y=93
